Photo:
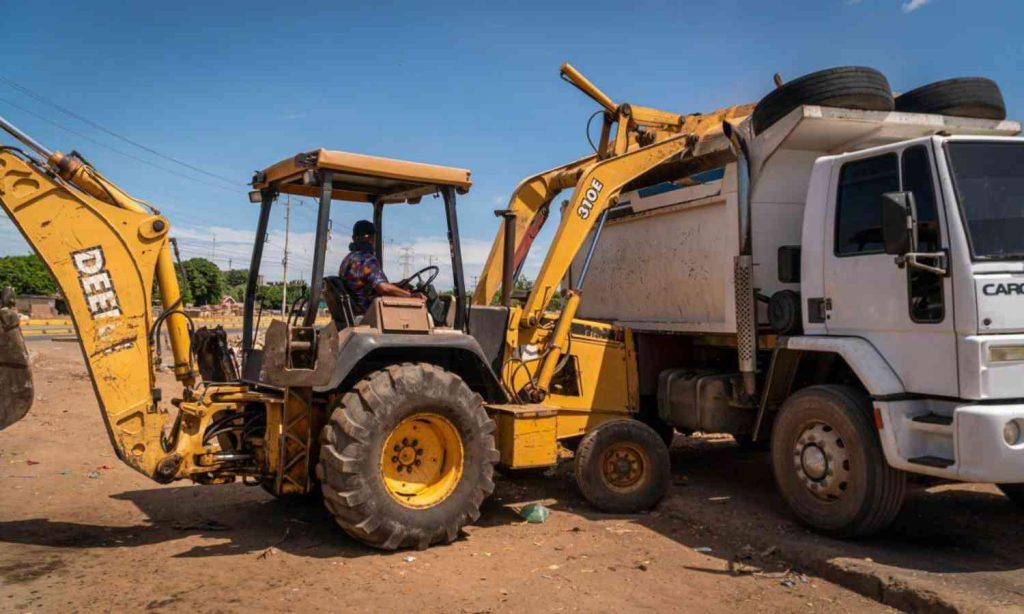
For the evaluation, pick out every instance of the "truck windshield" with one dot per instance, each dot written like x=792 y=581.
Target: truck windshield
x=989 y=180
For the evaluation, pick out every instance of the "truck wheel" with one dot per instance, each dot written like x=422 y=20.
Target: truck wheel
x=829 y=464
x=407 y=457
x=622 y=466
x=962 y=97
x=1014 y=492
x=848 y=87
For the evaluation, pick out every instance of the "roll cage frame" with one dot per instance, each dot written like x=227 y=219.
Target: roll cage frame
x=343 y=176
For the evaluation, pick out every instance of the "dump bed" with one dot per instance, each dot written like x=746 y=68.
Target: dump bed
x=666 y=255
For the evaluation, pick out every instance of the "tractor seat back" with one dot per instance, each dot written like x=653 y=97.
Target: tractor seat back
x=343 y=307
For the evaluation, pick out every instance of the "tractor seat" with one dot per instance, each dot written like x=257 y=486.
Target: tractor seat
x=343 y=307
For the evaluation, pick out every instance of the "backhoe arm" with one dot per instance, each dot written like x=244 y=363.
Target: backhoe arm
x=103 y=249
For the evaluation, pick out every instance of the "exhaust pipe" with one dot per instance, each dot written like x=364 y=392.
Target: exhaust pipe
x=743 y=268
x=16 y=389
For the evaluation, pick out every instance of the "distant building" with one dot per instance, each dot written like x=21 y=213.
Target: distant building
x=41 y=307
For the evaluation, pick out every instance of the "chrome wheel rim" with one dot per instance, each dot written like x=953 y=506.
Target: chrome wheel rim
x=822 y=461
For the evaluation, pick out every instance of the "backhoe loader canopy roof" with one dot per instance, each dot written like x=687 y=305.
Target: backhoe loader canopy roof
x=360 y=178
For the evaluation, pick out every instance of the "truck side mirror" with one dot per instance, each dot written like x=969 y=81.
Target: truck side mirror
x=899 y=223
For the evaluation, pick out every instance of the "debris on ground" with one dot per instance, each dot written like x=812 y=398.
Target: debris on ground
x=272 y=550
x=535 y=513
x=408 y=559
x=618 y=530
x=702 y=549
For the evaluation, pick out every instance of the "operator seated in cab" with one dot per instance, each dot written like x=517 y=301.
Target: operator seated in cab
x=361 y=271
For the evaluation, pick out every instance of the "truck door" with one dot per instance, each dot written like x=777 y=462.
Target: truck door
x=905 y=313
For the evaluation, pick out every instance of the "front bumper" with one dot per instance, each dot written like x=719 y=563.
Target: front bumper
x=983 y=454
x=968 y=446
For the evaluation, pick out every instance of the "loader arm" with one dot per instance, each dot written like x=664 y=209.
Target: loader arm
x=598 y=186
x=103 y=249
x=635 y=140
x=531 y=197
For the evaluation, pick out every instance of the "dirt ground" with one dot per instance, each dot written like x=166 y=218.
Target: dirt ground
x=81 y=532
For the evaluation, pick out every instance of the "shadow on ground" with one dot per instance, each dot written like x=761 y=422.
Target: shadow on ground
x=723 y=499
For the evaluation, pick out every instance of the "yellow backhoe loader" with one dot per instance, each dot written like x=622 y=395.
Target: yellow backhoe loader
x=397 y=416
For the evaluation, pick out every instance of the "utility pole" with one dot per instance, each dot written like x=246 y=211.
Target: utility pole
x=405 y=259
x=229 y=264
x=284 y=261
x=213 y=254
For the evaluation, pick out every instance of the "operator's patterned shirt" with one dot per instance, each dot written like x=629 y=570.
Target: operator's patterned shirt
x=362 y=273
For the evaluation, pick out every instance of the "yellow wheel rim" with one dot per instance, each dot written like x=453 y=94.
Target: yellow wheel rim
x=422 y=460
x=624 y=466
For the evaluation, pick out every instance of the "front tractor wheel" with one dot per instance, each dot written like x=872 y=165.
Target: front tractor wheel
x=622 y=467
x=407 y=457
x=829 y=464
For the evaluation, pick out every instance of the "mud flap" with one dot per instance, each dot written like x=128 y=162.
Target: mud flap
x=16 y=390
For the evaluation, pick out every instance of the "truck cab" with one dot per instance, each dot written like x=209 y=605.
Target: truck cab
x=944 y=317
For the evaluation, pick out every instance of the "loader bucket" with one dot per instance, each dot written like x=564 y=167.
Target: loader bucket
x=16 y=391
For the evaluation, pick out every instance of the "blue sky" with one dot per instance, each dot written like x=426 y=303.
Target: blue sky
x=235 y=86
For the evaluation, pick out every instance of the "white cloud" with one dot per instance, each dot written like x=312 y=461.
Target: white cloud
x=912 y=5
x=235 y=245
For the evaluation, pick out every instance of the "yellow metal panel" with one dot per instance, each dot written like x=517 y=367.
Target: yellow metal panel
x=526 y=435
x=606 y=364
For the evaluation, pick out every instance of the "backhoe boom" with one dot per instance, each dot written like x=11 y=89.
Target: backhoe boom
x=103 y=249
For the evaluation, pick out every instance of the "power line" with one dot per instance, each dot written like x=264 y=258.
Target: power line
x=113 y=149
x=86 y=120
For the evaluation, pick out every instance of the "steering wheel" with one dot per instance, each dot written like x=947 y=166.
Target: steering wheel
x=424 y=277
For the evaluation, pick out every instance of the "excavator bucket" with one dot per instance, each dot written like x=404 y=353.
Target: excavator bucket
x=16 y=391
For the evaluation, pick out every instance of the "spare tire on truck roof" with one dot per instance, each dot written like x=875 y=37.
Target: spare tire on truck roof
x=848 y=87
x=961 y=97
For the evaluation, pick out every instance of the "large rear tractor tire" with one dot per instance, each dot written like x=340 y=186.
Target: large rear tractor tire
x=407 y=457
x=622 y=467
x=829 y=464
x=847 y=87
x=1013 y=492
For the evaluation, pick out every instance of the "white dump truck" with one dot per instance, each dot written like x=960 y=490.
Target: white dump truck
x=846 y=283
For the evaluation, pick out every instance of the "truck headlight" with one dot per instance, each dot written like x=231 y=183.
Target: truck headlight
x=1012 y=433
x=1005 y=353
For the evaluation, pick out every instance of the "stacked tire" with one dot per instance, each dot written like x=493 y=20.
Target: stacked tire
x=862 y=88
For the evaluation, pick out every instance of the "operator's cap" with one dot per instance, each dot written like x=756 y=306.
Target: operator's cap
x=363 y=228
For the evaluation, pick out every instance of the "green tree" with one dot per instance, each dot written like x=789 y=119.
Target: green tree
x=237 y=292
x=205 y=282
x=236 y=277
x=26 y=274
x=271 y=295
